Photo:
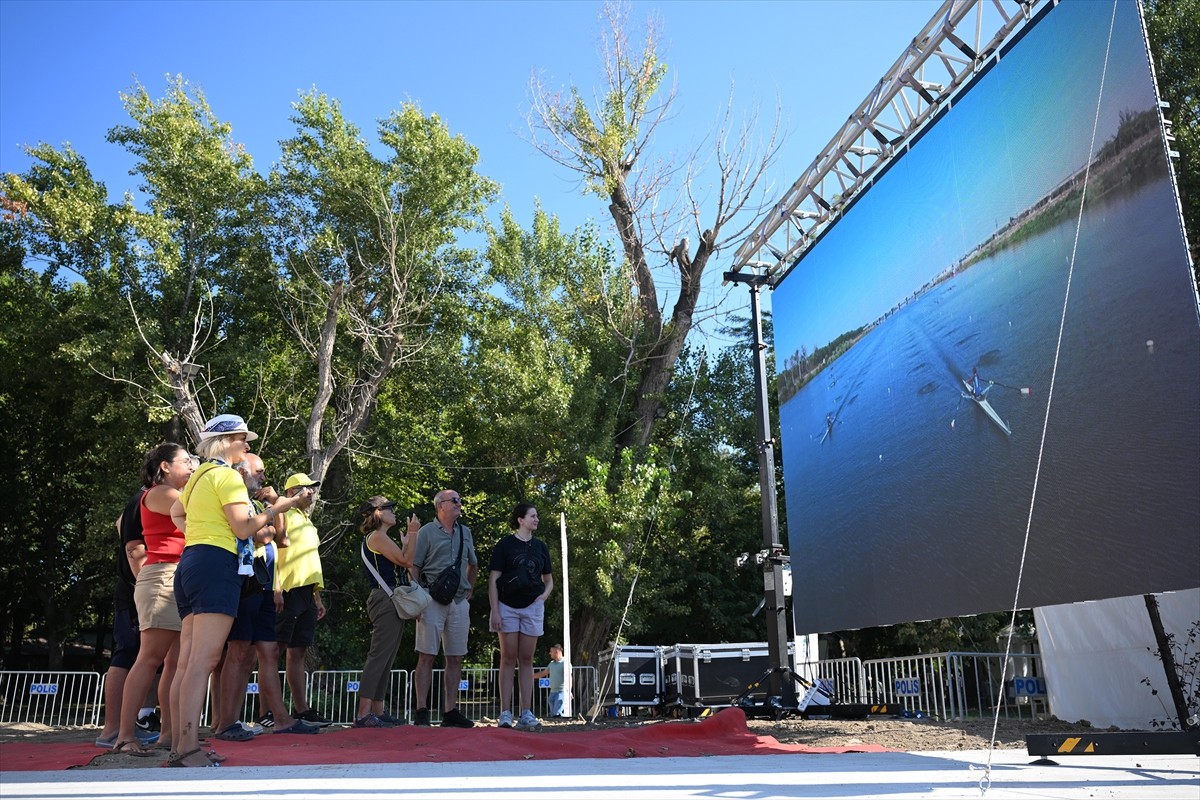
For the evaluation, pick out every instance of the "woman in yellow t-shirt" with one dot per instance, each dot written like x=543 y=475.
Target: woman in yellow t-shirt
x=214 y=513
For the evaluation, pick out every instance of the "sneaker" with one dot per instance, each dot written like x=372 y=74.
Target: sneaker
x=150 y=722
x=371 y=721
x=456 y=719
x=146 y=737
x=267 y=720
x=505 y=720
x=313 y=718
x=393 y=721
x=528 y=721
x=421 y=717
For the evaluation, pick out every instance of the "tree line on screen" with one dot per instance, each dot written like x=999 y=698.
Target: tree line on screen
x=387 y=324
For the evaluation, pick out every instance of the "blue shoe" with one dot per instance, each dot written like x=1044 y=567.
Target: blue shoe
x=108 y=743
x=144 y=737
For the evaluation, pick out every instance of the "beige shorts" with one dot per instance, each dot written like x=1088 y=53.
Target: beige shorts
x=446 y=626
x=154 y=596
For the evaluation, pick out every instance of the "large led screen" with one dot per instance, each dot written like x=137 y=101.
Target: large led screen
x=909 y=486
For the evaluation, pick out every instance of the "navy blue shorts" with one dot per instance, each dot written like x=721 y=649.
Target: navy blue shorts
x=264 y=622
x=242 y=629
x=127 y=639
x=297 y=624
x=207 y=581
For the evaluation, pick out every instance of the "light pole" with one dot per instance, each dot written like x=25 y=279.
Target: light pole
x=781 y=687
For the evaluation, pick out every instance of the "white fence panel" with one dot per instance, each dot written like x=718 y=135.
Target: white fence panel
x=915 y=683
x=51 y=698
x=840 y=677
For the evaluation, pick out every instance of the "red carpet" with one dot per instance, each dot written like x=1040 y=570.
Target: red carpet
x=723 y=734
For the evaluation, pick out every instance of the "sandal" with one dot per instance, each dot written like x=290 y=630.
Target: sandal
x=131 y=748
x=235 y=733
x=192 y=758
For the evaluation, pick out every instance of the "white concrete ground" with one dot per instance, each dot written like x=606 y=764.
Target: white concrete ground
x=895 y=776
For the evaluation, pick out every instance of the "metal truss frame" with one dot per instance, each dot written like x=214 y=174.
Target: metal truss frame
x=962 y=39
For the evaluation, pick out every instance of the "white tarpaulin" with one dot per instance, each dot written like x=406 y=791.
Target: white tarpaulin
x=1095 y=656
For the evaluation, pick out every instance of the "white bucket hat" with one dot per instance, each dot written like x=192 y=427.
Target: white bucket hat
x=225 y=424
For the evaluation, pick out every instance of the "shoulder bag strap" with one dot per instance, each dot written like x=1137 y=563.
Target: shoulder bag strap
x=373 y=571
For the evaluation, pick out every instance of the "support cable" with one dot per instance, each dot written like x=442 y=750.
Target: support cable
x=986 y=780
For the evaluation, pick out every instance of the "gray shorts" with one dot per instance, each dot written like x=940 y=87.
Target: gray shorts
x=523 y=620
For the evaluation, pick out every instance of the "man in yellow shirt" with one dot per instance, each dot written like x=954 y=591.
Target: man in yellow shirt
x=300 y=577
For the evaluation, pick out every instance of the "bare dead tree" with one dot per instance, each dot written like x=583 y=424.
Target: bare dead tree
x=179 y=375
x=716 y=195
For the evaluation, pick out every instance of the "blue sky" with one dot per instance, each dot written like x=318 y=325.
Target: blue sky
x=63 y=65
x=1019 y=132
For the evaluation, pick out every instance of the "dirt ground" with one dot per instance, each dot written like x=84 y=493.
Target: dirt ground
x=898 y=734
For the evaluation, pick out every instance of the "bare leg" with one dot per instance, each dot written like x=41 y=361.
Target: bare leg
x=233 y=682
x=295 y=678
x=453 y=674
x=508 y=662
x=114 y=691
x=526 y=645
x=270 y=693
x=169 y=711
x=422 y=679
x=208 y=638
x=218 y=720
x=175 y=686
x=156 y=643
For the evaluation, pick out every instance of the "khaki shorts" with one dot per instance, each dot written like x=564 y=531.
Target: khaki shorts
x=154 y=596
x=446 y=626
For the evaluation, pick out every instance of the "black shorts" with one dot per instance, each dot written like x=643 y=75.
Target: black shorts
x=127 y=639
x=296 y=625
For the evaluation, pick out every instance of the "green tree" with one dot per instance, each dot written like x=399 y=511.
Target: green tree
x=372 y=271
x=1174 y=31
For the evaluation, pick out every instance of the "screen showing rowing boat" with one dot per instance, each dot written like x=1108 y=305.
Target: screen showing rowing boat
x=972 y=354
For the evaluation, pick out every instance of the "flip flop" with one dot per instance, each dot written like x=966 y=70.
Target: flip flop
x=192 y=758
x=132 y=748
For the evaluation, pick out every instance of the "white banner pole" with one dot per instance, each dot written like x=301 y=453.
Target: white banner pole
x=568 y=683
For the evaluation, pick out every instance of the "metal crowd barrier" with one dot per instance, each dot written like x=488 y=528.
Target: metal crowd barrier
x=940 y=685
x=960 y=685
x=76 y=699
x=842 y=678
x=51 y=698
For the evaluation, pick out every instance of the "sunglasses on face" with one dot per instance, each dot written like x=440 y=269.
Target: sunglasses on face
x=387 y=507
x=456 y=500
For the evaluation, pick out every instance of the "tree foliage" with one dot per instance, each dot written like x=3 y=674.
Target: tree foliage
x=1174 y=31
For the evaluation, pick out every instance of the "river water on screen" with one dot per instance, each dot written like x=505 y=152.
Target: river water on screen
x=914 y=504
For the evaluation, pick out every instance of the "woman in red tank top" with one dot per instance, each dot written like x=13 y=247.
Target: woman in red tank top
x=166 y=470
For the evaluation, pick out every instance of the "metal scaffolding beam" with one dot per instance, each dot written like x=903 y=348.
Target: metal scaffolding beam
x=963 y=37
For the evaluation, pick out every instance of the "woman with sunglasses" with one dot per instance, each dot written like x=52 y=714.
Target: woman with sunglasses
x=213 y=511
x=166 y=470
x=391 y=562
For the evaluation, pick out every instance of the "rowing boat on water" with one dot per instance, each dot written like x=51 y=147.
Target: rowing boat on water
x=983 y=403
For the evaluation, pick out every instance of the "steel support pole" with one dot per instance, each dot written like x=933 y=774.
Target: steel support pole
x=775 y=603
